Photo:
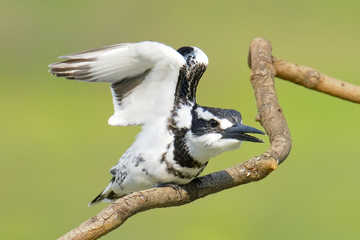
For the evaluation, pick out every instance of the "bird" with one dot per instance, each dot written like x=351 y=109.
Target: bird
x=154 y=85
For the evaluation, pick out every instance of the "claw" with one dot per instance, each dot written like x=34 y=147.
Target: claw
x=174 y=186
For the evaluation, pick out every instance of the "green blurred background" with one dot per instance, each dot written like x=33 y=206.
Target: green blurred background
x=57 y=148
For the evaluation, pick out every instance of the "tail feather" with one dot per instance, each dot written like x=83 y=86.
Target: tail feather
x=107 y=195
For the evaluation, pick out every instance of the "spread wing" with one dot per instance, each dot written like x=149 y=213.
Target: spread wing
x=143 y=76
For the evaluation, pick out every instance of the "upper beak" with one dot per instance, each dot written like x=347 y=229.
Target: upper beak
x=238 y=131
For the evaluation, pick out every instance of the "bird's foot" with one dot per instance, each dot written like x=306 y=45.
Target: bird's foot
x=174 y=186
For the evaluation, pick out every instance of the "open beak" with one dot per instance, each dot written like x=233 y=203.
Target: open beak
x=239 y=131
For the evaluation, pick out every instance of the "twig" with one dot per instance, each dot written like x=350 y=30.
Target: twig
x=312 y=79
x=255 y=169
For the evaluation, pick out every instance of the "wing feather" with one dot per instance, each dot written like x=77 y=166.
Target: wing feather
x=143 y=75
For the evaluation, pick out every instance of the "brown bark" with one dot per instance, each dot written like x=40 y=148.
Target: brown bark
x=312 y=79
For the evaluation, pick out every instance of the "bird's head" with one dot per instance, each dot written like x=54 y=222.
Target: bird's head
x=215 y=130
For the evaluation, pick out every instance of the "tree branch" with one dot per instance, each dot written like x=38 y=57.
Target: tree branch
x=271 y=117
x=312 y=79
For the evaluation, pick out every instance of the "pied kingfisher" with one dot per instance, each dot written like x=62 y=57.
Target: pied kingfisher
x=154 y=86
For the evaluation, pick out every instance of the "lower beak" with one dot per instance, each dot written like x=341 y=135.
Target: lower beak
x=239 y=131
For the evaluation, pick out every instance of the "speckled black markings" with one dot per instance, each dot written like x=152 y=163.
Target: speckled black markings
x=189 y=76
x=188 y=80
x=139 y=159
x=121 y=177
x=145 y=171
x=113 y=172
x=119 y=174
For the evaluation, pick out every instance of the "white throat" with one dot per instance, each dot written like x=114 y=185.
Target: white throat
x=202 y=148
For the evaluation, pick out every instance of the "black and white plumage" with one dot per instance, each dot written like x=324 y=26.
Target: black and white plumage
x=154 y=86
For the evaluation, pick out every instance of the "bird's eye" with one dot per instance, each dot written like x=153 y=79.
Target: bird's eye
x=213 y=123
